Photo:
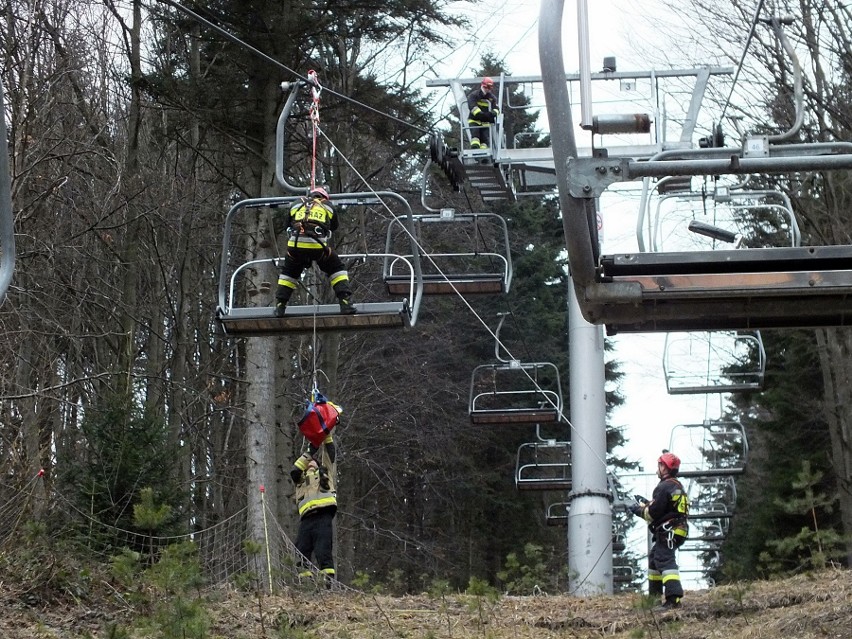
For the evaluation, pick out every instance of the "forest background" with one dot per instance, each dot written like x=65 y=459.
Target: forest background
x=132 y=130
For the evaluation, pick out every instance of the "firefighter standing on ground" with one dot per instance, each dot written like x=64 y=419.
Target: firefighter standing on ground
x=666 y=515
x=310 y=224
x=483 y=112
x=316 y=499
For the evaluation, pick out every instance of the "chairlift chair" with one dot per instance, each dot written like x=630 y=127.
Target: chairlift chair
x=474 y=255
x=712 y=531
x=714 y=510
x=241 y=315
x=543 y=466
x=764 y=218
x=700 y=362
x=623 y=574
x=557 y=514
x=707 y=490
x=722 y=446
x=515 y=392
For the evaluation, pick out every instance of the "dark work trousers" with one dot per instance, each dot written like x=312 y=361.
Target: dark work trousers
x=481 y=131
x=663 y=573
x=316 y=536
x=298 y=259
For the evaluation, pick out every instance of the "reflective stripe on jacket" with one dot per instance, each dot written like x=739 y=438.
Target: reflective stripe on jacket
x=669 y=507
x=310 y=224
x=310 y=494
x=477 y=102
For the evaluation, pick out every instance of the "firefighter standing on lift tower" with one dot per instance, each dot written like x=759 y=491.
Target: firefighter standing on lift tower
x=482 y=105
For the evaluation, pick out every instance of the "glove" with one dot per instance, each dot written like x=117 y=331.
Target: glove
x=640 y=499
x=482 y=116
x=637 y=509
x=495 y=113
x=323 y=481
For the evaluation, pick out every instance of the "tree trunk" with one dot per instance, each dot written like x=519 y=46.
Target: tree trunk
x=130 y=252
x=262 y=360
x=835 y=353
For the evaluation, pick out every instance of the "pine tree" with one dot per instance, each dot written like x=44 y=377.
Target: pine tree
x=813 y=547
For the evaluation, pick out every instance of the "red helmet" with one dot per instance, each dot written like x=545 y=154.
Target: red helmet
x=487 y=83
x=319 y=192
x=670 y=461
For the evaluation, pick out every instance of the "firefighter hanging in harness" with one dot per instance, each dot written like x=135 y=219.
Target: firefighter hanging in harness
x=310 y=224
x=666 y=514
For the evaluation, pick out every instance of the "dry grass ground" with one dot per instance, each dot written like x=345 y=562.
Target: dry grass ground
x=801 y=607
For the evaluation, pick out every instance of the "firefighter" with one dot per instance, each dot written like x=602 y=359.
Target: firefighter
x=482 y=105
x=666 y=514
x=316 y=499
x=310 y=224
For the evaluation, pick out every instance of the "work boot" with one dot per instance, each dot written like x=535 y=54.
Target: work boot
x=669 y=605
x=280 y=309
x=347 y=307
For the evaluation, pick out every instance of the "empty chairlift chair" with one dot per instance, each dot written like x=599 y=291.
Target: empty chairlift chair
x=514 y=392
x=557 y=514
x=747 y=218
x=623 y=575
x=712 y=498
x=713 y=532
x=710 y=449
x=714 y=362
x=543 y=464
x=459 y=253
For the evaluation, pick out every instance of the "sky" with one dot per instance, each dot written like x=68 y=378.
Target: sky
x=629 y=30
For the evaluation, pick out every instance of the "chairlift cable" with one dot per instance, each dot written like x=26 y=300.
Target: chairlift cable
x=281 y=65
x=754 y=21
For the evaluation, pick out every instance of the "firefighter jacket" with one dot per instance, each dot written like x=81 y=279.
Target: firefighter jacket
x=315 y=487
x=310 y=224
x=483 y=107
x=669 y=508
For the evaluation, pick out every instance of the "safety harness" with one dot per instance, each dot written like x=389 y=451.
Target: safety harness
x=676 y=527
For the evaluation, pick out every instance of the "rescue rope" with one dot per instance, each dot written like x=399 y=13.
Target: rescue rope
x=316 y=90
